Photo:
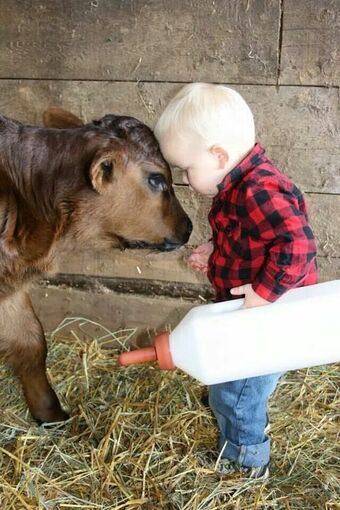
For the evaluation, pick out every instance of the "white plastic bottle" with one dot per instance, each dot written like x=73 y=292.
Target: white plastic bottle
x=224 y=342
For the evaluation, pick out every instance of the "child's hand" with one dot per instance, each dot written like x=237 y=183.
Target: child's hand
x=198 y=260
x=251 y=299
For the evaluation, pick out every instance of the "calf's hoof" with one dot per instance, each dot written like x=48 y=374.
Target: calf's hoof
x=50 y=416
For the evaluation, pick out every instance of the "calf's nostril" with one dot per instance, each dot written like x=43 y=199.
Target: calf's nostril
x=187 y=231
x=189 y=227
x=179 y=239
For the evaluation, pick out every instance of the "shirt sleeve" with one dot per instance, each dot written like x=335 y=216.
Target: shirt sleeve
x=276 y=219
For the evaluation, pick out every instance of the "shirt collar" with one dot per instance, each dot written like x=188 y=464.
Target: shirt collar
x=252 y=159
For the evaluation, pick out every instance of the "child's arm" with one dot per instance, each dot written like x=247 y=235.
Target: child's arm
x=275 y=218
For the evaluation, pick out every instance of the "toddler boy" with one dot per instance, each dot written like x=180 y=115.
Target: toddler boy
x=261 y=246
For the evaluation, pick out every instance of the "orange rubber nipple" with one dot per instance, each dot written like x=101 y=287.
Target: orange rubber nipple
x=160 y=352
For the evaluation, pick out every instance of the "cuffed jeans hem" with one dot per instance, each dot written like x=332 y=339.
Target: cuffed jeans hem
x=254 y=455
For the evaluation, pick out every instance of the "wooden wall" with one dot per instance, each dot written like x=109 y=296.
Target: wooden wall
x=129 y=57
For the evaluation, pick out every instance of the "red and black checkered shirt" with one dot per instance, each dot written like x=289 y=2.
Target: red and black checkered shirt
x=261 y=233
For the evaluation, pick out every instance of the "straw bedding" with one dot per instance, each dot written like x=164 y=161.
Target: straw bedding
x=138 y=438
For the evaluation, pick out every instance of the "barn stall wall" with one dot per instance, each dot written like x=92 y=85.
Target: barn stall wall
x=103 y=56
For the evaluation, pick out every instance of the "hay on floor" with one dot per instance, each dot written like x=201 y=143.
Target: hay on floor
x=137 y=437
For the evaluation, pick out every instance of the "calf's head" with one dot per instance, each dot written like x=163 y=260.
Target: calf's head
x=135 y=201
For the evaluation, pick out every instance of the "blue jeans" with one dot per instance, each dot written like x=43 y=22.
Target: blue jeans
x=240 y=408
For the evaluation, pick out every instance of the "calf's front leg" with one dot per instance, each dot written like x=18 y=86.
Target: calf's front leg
x=23 y=344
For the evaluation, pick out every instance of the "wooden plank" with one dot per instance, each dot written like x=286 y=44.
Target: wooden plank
x=329 y=268
x=310 y=42
x=151 y=287
x=299 y=126
x=183 y=40
x=136 y=286
x=114 y=311
x=134 y=264
x=171 y=267
x=324 y=217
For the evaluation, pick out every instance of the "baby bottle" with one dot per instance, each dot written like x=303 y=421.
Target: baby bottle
x=224 y=342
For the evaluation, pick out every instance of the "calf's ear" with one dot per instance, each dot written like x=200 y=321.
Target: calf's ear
x=102 y=172
x=55 y=117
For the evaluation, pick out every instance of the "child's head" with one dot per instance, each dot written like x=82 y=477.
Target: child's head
x=206 y=130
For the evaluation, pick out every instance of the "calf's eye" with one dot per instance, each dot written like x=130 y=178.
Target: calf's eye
x=157 y=182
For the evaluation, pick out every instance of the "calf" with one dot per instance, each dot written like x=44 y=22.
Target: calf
x=99 y=185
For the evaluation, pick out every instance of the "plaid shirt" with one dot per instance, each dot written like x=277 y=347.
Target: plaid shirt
x=260 y=231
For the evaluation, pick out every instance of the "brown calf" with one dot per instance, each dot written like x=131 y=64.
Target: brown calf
x=98 y=185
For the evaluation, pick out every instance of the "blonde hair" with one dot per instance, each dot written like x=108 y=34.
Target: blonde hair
x=218 y=115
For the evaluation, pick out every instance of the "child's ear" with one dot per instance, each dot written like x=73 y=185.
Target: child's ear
x=220 y=154
x=101 y=173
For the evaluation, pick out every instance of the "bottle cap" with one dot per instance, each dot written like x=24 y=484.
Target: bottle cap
x=160 y=352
